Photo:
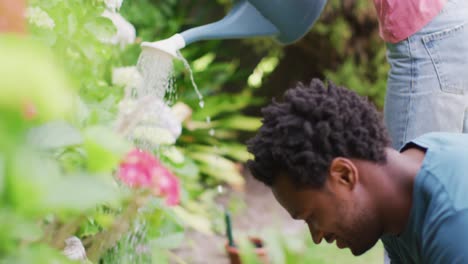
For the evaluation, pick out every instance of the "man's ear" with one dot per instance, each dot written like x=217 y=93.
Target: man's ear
x=343 y=172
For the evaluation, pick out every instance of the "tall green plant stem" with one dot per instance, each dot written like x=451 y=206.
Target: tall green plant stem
x=107 y=239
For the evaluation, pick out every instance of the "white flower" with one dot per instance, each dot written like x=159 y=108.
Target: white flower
x=149 y=119
x=159 y=114
x=113 y=4
x=128 y=77
x=153 y=136
x=74 y=249
x=39 y=17
x=126 y=33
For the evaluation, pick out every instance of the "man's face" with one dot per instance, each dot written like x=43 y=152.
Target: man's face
x=336 y=212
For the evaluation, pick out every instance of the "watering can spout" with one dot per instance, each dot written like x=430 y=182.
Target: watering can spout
x=284 y=19
x=170 y=45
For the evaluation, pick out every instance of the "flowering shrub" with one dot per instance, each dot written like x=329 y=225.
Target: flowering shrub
x=60 y=155
x=73 y=183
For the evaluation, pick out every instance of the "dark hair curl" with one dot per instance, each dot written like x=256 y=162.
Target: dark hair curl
x=313 y=125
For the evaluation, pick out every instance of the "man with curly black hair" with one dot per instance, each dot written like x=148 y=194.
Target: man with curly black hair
x=327 y=157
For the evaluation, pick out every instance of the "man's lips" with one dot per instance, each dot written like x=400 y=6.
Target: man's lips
x=330 y=239
x=339 y=242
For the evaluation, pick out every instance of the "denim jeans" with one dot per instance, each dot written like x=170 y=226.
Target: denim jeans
x=427 y=86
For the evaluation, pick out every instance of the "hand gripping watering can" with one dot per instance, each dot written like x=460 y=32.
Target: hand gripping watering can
x=286 y=20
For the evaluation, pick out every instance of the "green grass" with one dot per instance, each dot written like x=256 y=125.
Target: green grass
x=300 y=249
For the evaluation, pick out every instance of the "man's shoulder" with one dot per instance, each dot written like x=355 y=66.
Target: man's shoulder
x=439 y=139
x=439 y=200
x=443 y=179
x=444 y=175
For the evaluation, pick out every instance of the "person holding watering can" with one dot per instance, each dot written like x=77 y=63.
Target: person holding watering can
x=427 y=49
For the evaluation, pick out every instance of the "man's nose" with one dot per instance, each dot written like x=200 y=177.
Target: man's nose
x=316 y=234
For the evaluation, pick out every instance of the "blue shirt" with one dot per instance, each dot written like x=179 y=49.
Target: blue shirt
x=437 y=229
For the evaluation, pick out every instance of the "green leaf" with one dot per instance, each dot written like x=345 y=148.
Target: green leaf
x=104 y=220
x=56 y=134
x=72 y=24
x=170 y=241
x=203 y=62
x=72 y=160
x=28 y=184
x=105 y=148
x=30 y=75
x=233 y=150
x=81 y=192
x=89 y=229
x=2 y=174
x=222 y=103
x=89 y=50
x=173 y=154
x=239 y=122
x=46 y=36
x=199 y=223
x=101 y=28
x=17 y=228
x=187 y=169
x=36 y=254
x=275 y=247
x=159 y=255
x=219 y=168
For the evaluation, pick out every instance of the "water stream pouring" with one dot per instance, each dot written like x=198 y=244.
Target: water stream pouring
x=286 y=20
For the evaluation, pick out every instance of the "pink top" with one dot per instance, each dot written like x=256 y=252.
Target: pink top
x=400 y=19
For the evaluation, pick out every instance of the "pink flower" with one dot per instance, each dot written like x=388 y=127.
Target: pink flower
x=141 y=169
x=167 y=185
x=136 y=169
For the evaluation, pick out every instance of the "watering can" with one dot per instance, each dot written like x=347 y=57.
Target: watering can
x=286 y=20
